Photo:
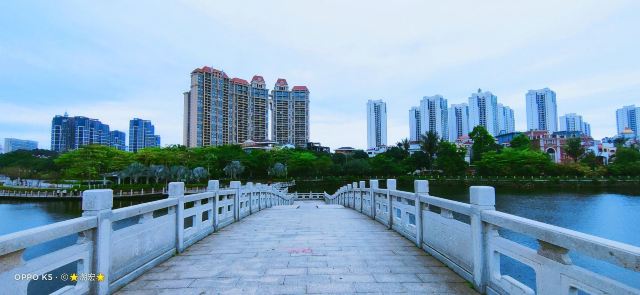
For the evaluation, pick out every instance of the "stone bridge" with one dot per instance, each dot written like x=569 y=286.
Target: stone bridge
x=359 y=240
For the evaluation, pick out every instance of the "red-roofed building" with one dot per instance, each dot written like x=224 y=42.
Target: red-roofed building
x=239 y=81
x=299 y=88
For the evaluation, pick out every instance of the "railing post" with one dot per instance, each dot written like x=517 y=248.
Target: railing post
x=235 y=185
x=348 y=195
x=421 y=187
x=250 y=192
x=362 y=186
x=482 y=198
x=213 y=186
x=176 y=190
x=391 y=186
x=98 y=203
x=353 y=195
x=373 y=184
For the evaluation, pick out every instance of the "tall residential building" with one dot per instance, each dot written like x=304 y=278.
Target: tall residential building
x=434 y=115
x=574 y=122
x=118 y=140
x=458 y=121
x=142 y=135
x=483 y=111
x=290 y=115
x=71 y=133
x=300 y=101
x=219 y=110
x=259 y=109
x=376 y=123
x=506 y=119
x=14 y=144
x=628 y=117
x=542 y=110
x=414 y=124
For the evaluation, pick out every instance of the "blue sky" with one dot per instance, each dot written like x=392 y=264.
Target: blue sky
x=115 y=60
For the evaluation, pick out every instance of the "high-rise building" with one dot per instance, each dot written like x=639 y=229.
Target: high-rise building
x=219 y=110
x=434 y=115
x=542 y=110
x=142 y=135
x=259 y=109
x=376 y=124
x=574 y=122
x=506 y=120
x=458 y=121
x=628 y=117
x=300 y=101
x=414 y=124
x=14 y=144
x=118 y=140
x=71 y=133
x=483 y=111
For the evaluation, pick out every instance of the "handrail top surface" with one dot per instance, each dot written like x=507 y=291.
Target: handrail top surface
x=33 y=236
x=130 y=211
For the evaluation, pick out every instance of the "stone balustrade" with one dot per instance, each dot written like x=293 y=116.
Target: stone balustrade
x=309 y=196
x=466 y=238
x=123 y=243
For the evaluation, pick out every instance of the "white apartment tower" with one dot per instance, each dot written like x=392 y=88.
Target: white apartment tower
x=458 y=121
x=483 y=111
x=434 y=115
x=628 y=117
x=414 y=124
x=506 y=119
x=376 y=123
x=542 y=110
x=574 y=122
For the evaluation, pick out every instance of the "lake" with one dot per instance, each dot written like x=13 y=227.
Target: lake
x=611 y=214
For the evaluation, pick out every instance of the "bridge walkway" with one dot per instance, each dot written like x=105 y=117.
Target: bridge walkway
x=305 y=248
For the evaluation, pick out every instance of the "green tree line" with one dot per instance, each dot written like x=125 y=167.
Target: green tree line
x=435 y=157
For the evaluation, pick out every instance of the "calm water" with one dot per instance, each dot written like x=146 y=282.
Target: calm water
x=608 y=214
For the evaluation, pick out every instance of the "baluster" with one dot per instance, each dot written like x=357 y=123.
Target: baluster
x=362 y=186
x=98 y=203
x=421 y=188
x=235 y=185
x=213 y=186
x=176 y=190
x=391 y=185
x=482 y=198
x=373 y=185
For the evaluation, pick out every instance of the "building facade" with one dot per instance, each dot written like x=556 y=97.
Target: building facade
x=458 y=121
x=71 y=133
x=434 y=115
x=14 y=144
x=414 y=124
x=574 y=122
x=542 y=111
x=118 y=140
x=219 y=110
x=483 y=111
x=376 y=124
x=506 y=120
x=142 y=135
x=628 y=117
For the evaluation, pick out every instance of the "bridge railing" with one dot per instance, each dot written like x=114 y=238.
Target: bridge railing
x=309 y=196
x=465 y=237
x=121 y=244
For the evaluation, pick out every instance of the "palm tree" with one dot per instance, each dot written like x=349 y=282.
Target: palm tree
x=158 y=172
x=278 y=170
x=135 y=171
x=404 y=145
x=199 y=173
x=429 y=145
x=233 y=169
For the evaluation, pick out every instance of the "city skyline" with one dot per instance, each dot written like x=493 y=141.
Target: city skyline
x=119 y=70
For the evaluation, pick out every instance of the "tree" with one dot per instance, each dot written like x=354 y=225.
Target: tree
x=626 y=162
x=404 y=145
x=135 y=171
x=483 y=142
x=450 y=159
x=360 y=154
x=358 y=167
x=278 y=170
x=93 y=161
x=573 y=148
x=233 y=169
x=158 y=172
x=199 y=173
x=514 y=162
x=520 y=141
x=429 y=145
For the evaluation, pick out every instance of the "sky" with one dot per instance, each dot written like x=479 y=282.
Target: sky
x=116 y=60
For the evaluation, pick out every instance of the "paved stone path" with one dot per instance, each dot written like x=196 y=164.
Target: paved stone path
x=314 y=249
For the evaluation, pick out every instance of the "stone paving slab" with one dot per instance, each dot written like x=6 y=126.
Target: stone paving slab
x=300 y=249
